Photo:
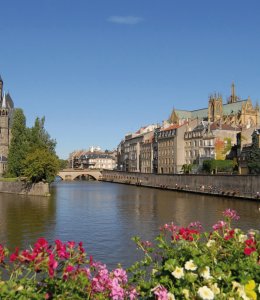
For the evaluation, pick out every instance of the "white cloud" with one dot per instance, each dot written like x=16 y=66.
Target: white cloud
x=128 y=20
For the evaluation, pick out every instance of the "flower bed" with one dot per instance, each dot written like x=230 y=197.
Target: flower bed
x=183 y=263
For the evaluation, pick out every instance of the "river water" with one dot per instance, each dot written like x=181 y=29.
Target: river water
x=104 y=216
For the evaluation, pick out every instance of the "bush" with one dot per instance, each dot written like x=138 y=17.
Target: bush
x=187 y=263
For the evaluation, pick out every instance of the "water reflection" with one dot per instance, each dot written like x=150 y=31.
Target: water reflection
x=24 y=218
x=105 y=216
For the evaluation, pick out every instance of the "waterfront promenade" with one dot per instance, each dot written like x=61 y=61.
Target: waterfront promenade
x=240 y=186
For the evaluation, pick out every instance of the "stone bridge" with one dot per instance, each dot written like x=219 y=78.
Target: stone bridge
x=72 y=174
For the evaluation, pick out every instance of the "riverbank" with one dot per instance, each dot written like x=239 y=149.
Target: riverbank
x=239 y=186
x=24 y=188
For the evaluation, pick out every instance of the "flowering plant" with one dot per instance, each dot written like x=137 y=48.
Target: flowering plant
x=185 y=263
x=60 y=271
x=188 y=263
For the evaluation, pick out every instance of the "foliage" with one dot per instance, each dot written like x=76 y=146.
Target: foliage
x=7 y=179
x=32 y=151
x=19 y=144
x=254 y=160
x=222 y=148
x=63 y=164
x=40 y=165
x=187 y=263
x=186 y=168
x=39 y=138
x=214 y=166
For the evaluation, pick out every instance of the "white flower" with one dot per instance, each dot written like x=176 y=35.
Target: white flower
x=235 y=285
x=206 y=273
x=242 y=238
x=170 y=296
x=240 y=290
x=178 y=273
x=210 y=243
x=186 y=293
x=215 y=289
x=205 y=293
x=259 y=288
x=189 y=265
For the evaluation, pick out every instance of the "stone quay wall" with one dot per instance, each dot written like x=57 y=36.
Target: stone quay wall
x=241 y=186
x=22 y=188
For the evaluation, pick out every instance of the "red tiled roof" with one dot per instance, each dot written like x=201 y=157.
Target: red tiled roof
x=173 y=126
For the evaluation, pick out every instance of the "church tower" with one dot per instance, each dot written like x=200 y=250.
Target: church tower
x=215 y=108
x=233 y=98
x=1 y=88
x=5 y=112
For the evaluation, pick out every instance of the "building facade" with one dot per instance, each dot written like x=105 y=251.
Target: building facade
x=209 y=141
x=93 y=158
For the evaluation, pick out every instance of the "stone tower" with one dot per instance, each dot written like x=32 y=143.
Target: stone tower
x=215 y=108
x=233 y=97
x=1 y=88
x=6 y=109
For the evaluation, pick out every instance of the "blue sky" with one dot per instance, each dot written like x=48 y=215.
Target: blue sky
x=98 y=69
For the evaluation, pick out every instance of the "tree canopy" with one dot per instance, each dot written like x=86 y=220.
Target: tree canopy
x=214 y=165
x=19 y=144
x=254 y=160
x=32 y=151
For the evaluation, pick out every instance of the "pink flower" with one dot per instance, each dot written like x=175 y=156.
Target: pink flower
x=81 y=249
x=2 y=253
x=161 y=292
x=231 y=214
x=250 y=246
x=41 y=244
x=61 y=249
x=219 y=225
x=120 y=274
x=53 y=264
x=117 y=292
x=196 y=225
x=67 y=271
x=230 y=234
x=71 y=244
x=26 y=256
x=14 y=255
x=132 y=294
x=248 y=250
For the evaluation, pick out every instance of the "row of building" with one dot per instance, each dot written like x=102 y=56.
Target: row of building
x=190 y=137
x=93 y=158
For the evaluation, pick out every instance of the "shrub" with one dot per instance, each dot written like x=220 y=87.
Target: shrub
x=187 y=263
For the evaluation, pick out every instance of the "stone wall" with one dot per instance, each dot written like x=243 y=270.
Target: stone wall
x=242 y=186
x=22 y=188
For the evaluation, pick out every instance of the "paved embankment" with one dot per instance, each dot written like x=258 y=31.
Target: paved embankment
x=240 y=186
x=22 y=188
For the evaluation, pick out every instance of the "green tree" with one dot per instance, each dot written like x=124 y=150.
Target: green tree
x=39 y=138
x=19 y=144
x=63 y=163
x=41 y=165
x=214 y=165
x=254 y=157
x=186 y=168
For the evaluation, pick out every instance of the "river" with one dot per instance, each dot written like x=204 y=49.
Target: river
x=104 y=216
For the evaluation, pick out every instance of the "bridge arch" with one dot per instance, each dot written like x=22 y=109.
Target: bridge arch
x=69 y=175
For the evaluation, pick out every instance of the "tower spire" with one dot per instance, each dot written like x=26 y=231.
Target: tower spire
x=233 y=97
x=4 y=102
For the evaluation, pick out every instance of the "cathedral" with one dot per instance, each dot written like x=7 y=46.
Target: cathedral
x=236 y=112
x=6 y=112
